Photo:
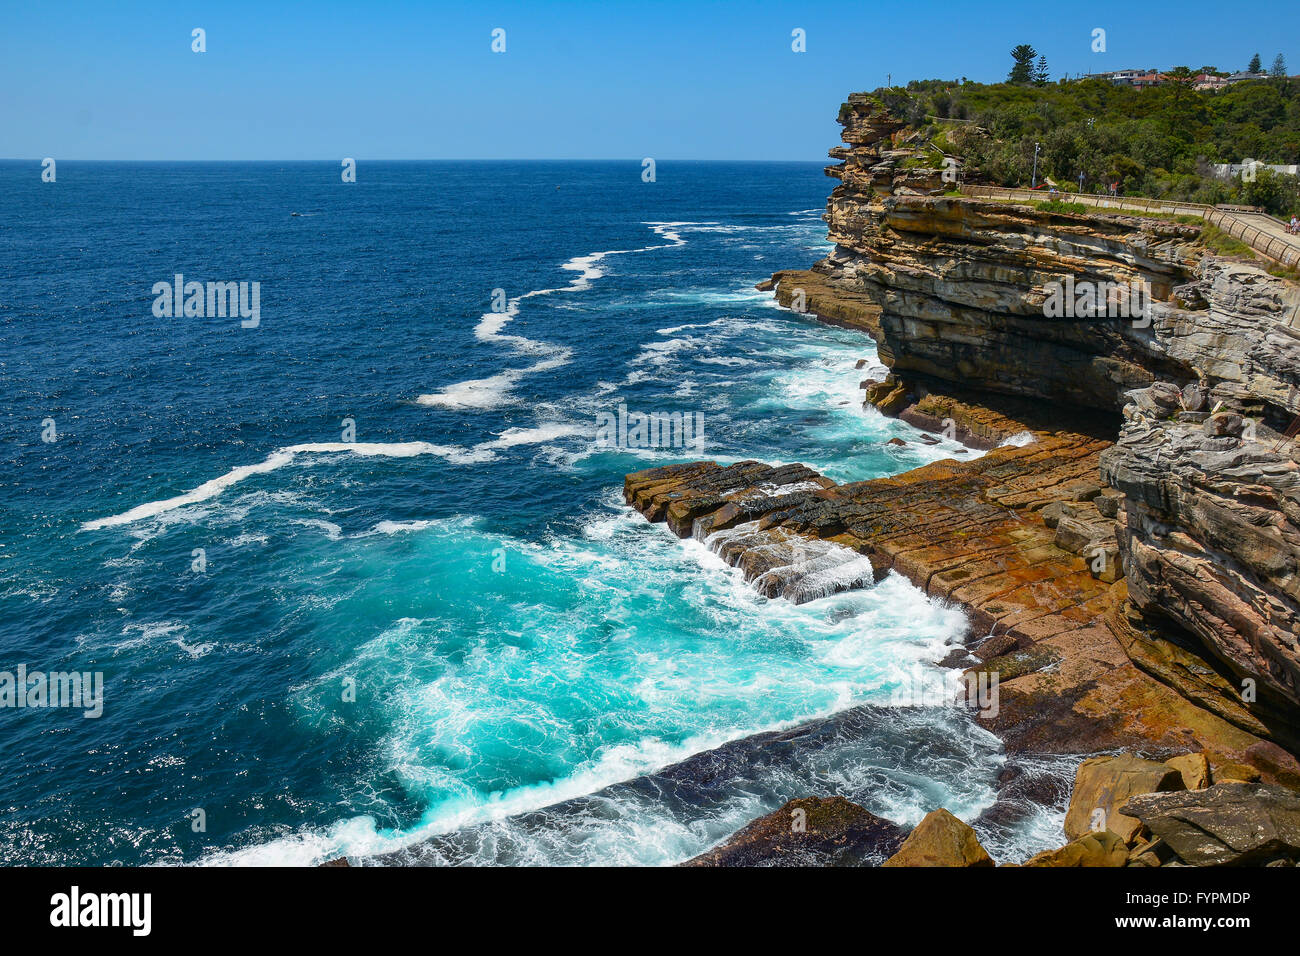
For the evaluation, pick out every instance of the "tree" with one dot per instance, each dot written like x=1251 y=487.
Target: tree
x=1023 y=70
x=1180 y=77
x=1276 y=192
x=1279 y=67
x=1255 y=64
x=1041 y=74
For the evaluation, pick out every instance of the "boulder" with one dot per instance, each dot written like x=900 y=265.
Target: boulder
x=1091 y=849
x=1228 y=772
x=1193 y=397
x=1223 y=424
x=889 y=395
x=1238 y=824
x=1053 y=512
x=995 y=647
x=1081 y=537
x=940 y=839
x=1151 y=853
x=1194 y=770
x=810 y=831
x=1105 y=784
x=1017 y=663
x=1108 y=503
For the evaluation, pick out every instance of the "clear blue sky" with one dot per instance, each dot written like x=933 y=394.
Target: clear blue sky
x=115 y=79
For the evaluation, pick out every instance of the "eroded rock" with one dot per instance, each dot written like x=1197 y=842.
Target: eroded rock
x=1237 y=824
x=811 y=831
x=1104 y=849
x=1104 y=784
x=940 y=839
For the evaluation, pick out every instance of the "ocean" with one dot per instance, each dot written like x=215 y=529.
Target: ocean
x=357 y=572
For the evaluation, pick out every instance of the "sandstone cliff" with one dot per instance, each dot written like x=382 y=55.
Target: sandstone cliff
x=1195 y=389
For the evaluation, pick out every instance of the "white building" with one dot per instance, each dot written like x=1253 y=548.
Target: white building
x=1250 y=167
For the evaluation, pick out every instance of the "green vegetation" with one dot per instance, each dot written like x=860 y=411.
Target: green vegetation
x=1058 y=206
x=1157 y=142
x=1222 y=244
x=1023 y=70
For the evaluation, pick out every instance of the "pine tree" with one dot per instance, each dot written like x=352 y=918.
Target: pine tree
x=1023 y=70
x=1255 y=64
x=1180 y=77
x=1279 y=67
x=1041 y=74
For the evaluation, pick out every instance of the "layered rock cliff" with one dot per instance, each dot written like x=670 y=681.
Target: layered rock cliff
x=1197 y=385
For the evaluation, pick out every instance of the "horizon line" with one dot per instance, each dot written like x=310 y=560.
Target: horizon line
x=476 y=159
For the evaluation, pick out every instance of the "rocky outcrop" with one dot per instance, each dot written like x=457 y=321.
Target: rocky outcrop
x=1103 y=784
x=812 y=831
x=965 y=531
x=1229 y=824
x=972 y=533
x=940 y=839
x=1211 y=545
x=965 y=291
x=1125 y=811
x=1104 y=849
x=1116 y=326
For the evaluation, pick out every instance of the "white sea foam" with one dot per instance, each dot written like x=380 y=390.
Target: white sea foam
x=144 y=634
x=243 y=540
x=1018 y=440
x=864 y=635
x=397 y=527
x=495 y=390
x=279 y=459
x=480 y=453
x=550 y=431
x=691 y=325
x=477 y=394
x=328 y=528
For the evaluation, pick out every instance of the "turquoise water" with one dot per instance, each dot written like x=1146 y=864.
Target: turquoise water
x=452 y=618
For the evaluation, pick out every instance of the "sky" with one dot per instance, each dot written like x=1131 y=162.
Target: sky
x=578 y=80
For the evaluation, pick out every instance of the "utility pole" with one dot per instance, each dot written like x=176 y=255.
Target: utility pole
x=1081 y=180
x=1033 y=181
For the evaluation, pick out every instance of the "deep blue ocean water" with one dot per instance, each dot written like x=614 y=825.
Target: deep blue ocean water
x=514 y=634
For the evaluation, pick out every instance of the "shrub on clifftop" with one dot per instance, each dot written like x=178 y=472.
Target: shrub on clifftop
x=1156 y=142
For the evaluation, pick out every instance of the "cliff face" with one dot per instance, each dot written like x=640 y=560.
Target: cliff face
x=963 y=286
x=964 y=298
x=1212 y=539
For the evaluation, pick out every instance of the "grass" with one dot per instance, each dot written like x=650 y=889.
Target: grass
x=1056 y=205
x=1222 y=244
x=1183 y=219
